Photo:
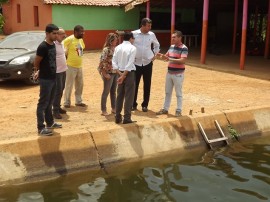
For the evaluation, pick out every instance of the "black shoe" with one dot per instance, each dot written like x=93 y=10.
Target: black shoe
x=178 y=113
x=128 y=121
x=62 y=111
x=118 y=120
x=162 y=111
x=45 y=132
x=80 y=105
x=57 y=116
x=67 y=105
x=54 y=125
x=144 y=109
x=133 y=108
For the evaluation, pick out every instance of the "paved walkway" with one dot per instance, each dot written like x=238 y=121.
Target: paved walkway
x=255 y=66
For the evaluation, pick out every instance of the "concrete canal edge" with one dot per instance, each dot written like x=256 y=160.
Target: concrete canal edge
x=38 y=157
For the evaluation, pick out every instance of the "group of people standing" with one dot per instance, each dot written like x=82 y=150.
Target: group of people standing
x=58 y=65
x=125 y=64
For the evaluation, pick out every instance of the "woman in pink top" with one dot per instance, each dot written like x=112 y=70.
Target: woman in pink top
x=109 y=76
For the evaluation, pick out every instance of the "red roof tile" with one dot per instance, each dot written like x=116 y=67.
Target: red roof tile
x=89 y=2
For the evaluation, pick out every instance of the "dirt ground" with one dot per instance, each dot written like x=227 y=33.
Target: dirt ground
x=215 y=91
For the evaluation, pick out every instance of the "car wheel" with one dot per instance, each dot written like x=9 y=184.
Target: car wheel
x=31 y=80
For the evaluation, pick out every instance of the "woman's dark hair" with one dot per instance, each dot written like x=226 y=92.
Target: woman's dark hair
x=109 y=39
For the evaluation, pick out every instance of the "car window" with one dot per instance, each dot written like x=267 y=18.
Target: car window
x=23 y=41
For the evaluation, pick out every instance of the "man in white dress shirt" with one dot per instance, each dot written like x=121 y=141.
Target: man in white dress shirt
x=123 y=63
x=144 y=40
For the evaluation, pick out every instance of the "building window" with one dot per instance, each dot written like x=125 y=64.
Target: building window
x=36 y=16
x=19 y=13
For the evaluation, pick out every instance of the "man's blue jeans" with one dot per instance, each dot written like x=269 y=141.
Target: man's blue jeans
x=44 y=106
x=176 y=81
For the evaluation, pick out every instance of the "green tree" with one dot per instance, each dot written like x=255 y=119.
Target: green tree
x=3 y=1
x=2 y=20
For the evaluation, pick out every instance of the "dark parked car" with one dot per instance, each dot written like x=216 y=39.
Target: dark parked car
x=17 y=54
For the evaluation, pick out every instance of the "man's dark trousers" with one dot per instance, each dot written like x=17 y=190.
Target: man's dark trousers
x=146 y=72
x=125 y=91
x=44 y=106
x=60 y=86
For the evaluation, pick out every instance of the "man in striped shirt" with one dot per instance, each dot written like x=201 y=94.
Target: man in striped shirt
x=176 y=57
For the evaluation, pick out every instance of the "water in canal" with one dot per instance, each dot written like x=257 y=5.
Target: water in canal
x=238 y=173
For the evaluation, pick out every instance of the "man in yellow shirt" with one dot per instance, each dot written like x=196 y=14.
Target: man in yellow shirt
x=74 y=46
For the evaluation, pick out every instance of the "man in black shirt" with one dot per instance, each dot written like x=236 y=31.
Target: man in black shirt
x=45 y=67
